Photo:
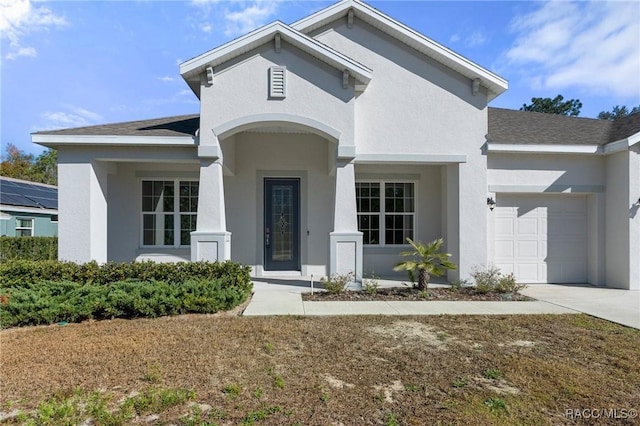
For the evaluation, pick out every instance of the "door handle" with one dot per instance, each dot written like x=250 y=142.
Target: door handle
x=266 y=237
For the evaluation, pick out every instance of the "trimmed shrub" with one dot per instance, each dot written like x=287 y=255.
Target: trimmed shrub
x=25 y=272
x=34 y=293
x=29 y=248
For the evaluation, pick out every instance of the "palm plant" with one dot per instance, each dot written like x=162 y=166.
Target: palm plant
x=426 y=260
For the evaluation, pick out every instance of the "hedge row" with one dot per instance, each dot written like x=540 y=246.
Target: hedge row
x=26 y=273
x=46 y=292
x=53 y=302
x=30 y=248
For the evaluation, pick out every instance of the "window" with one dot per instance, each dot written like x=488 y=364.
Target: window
x=169 y=212
x=24 y=227
x=386 y=212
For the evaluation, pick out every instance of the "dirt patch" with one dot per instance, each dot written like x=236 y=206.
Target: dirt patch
x=498 y=386
x=413 y=294
x=413 y=331
x=336 y=383
x=388 y=391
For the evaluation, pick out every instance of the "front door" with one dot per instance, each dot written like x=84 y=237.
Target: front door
x=282 y=224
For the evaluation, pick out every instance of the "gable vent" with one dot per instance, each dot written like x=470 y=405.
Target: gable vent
x=278 y=82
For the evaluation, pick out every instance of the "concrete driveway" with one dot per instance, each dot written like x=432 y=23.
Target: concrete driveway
x=620 y=306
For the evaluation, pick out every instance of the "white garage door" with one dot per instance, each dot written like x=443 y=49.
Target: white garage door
x=542 y=238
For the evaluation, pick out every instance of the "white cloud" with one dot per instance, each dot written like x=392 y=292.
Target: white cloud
x=71 y=116
x=477 y=38
x=593 y=46
x=166 y=79
x=238 y=16
x=249 y=17
x=19 y=18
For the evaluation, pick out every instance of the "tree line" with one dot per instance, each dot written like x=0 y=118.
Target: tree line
x=20 y=165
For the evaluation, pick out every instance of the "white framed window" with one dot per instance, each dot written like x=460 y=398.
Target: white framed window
x=386 y=212
x=24 y=227
x=168 y=211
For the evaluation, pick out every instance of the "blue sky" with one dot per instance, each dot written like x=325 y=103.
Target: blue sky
x=78 y=63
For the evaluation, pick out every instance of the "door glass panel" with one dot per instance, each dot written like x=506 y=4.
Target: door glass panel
x=282 y=217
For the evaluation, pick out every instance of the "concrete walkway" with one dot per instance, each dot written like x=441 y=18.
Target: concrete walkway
x=620 y=306
x=283 y=297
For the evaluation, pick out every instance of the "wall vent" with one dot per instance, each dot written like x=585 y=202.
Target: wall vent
x=278 y=82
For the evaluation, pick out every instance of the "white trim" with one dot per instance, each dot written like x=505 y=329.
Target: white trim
x=494 y=83
x=176 y=212
x=545 y=149
x=31 y=228
x=547 y=189
x=622 y=144
x=254 y=39
x=23 y=209
x=410 y=158
x=113 y=140
x=249 y=121
x=382 y=213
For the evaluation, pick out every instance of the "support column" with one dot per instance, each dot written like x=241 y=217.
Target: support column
x=345 y=242
x=82 y=207
x=211 y=241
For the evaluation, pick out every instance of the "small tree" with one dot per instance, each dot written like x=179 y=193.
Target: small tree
x=618 y=112
x=556 y=105
x=426 y=260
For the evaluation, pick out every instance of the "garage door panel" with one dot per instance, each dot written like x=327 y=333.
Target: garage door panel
x=527 y=226
x=542 y=238
x=505 y=226
x=505 y=249
x=528 y=249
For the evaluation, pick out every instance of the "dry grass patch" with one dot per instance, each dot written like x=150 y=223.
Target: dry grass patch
x=322 y=371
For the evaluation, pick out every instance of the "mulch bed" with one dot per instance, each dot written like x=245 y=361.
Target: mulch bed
x=413 y=294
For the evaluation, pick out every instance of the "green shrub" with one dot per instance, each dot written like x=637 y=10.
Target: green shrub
x=337 y=283
x=33 y=293
x=491 y=280
x=26 y=272
x=28 y=248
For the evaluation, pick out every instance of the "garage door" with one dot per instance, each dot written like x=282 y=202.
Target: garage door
x=542 y=238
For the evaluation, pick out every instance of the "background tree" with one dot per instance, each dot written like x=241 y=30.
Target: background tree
x=20 y=165
x=556 y=105
x=618 y=112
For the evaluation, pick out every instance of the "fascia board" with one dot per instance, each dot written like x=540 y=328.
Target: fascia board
x=544 y=149
x=410 y=158
x=263 y=35
x=112 y=140
x=447 y=57
x=622 y=144
x=8 y=208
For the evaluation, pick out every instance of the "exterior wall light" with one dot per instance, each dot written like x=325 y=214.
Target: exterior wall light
x=491 y=203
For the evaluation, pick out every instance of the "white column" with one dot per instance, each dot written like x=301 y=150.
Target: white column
x=82 y=208
x=345 y=241
x=211 y=241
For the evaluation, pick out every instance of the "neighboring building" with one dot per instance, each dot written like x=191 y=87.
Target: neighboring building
x=28 y=209
x=320 y=146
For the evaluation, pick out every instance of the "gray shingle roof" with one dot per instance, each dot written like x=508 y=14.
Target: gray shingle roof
x=181 y=125
x=524 y=127
x=506 y=126
x=625 y=127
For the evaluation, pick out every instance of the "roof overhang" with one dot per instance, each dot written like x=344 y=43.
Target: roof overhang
x=609 y=148
x=543 y=149
x=193 y=68
x=494 y=84
x=53 y=141
x=23 y=209
x=622 y=144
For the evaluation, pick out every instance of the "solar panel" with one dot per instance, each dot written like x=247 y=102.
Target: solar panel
x=28 y=195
